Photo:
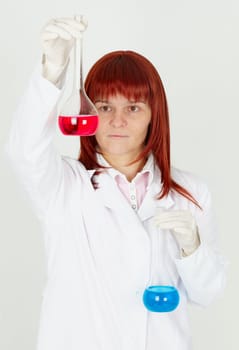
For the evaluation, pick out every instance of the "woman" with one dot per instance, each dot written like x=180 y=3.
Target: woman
x=120 y=217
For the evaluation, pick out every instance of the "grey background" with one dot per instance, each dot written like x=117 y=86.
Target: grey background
x=194 y=45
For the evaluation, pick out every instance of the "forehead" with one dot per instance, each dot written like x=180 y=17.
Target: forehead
x=113 y=89
x=118 y=99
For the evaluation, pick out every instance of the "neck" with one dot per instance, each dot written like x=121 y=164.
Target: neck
x=123 y=165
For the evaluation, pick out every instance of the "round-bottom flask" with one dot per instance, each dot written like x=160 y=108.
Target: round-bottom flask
x=161 y=298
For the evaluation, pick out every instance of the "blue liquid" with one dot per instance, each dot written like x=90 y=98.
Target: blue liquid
x=161 y=298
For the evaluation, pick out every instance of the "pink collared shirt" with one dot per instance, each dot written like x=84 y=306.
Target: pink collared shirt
x=135 y=190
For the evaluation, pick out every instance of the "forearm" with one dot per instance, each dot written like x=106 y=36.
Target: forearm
x=34 y=118
x=203 y=274
x=30 y=144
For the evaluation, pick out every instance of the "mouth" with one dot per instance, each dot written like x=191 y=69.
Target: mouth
x=117 y=136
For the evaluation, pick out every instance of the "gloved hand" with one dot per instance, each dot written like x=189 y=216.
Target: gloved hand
x=57 y=40
x=183 y=227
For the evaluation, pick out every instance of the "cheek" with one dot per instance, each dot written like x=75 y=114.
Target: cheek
x=100 y=133
x=145 y=129
x=100 y=128
x=102 y=124
x=98 y=136
x=143 y=134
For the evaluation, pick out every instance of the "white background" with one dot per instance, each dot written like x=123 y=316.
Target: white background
x=194 y=46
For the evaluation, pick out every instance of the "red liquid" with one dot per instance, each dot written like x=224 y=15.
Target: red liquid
x=82 y=125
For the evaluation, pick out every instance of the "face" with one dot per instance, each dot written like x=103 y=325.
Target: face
x=123 y=126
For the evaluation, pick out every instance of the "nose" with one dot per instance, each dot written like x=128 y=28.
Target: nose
x=118 y=119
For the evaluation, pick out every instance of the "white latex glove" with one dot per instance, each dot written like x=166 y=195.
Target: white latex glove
x=57 y=40
x=183 y=227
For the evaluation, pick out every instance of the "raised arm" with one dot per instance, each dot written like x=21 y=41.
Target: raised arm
x=30 y=144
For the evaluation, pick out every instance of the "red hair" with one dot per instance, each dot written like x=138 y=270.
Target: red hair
x=133 y=76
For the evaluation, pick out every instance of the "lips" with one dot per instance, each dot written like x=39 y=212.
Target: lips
x=117 y=136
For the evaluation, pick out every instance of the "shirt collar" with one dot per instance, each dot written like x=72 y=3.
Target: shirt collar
x=148 y=167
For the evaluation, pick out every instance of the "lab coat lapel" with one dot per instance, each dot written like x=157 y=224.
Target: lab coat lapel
x=151 y=203
x=112 y=198
x=120 y=250
x=109 y=194
x=109 y=197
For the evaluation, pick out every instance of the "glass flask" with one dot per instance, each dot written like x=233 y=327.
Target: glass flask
x=158 y=297
x=161 y=298
x=78 y=115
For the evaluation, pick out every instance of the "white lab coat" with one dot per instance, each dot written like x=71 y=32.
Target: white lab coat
x=98 y=249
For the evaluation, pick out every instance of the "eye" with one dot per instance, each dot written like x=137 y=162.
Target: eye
x=134 y=108
x=103 y=108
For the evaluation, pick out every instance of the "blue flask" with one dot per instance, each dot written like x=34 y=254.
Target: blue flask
x=161 y=298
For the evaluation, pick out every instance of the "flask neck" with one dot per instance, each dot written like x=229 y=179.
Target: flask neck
x=78 y=80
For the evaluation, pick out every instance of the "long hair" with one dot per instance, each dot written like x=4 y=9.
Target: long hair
x=133 y=76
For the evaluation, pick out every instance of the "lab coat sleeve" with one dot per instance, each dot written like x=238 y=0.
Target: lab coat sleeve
x=30 y=144
x=203 y=272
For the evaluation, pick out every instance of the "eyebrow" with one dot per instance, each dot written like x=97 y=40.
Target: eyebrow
x=130 y=101
x=104 y=101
